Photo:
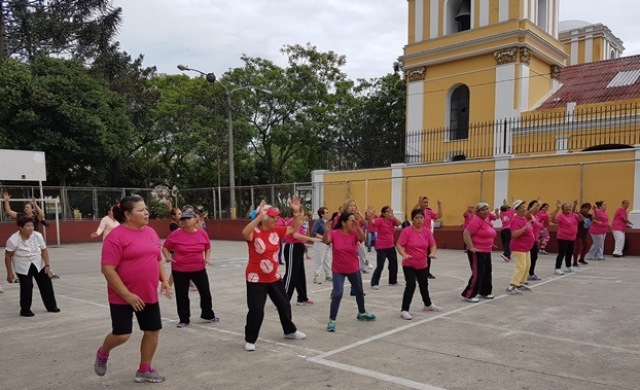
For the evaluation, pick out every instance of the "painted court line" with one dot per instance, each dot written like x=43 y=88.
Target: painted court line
x=322 y=358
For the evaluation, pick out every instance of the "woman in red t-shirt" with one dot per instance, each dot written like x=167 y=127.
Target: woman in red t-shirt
x=262 y=276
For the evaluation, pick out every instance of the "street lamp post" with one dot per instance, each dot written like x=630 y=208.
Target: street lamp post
x=211 y=77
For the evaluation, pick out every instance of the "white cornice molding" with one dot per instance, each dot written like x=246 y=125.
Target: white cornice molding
x=517 y=34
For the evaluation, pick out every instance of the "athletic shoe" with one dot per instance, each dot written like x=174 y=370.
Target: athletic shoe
x=297 y=335
x=569 y=270
x=583 y=262
x=524 y=287
x=366 y=317
x=1 y=290
x=490 y=296
x=394 y=284
x=54 y=310
x=431 y=276
x=543 y=252
x=316 y=279
x=364 y=271
x=150 y=376
x=405 y=315
x=331 y=326
x=26 y=313
x=214 y=319
x=513 y=290
x=100 y=366
x=376 y=287
x=505 y=258
x=182 y=325
x=533 y=277
x=308 y=302
x=249 y=347
x=329 y=279
x=472 y=299
x=431 y=308
x=558 y=271
x=617 y=256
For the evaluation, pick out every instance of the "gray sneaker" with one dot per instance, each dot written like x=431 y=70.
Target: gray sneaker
x=100 y=366
x=149 y=376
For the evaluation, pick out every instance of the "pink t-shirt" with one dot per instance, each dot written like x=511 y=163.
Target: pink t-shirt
x=468 y=216
x=537 y=224
x=544 y=218
x=288 y=239
x=619 y=220
x=428 y=216
x=386 y=230
x=482 y=234
x=506 y=217
x=263 y=255
x=415 y=244
x=596 y=228
x=344 y=248
x=524 y=242
x=188 y=249
x=567 y=226
x=135 y=254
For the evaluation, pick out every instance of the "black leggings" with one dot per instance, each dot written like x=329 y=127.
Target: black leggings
x=565 y=250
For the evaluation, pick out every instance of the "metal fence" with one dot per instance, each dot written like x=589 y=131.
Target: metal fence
x=91 y=203
x=594 y=128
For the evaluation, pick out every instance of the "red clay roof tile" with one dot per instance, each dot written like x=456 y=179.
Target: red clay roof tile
x=587 y=83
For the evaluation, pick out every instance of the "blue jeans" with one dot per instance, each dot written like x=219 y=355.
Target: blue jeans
x=381 y=256
x=338 y=290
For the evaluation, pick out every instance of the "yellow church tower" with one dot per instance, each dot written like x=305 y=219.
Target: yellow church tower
x=475 y=61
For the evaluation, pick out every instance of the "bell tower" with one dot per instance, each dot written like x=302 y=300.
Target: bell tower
x=473 y=61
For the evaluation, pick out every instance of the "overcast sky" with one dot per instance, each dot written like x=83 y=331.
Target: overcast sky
x=211 y=35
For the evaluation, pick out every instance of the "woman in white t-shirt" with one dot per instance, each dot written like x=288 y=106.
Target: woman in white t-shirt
x=27 y=255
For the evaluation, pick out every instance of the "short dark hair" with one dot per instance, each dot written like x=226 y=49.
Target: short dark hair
x=599 y=203
x=587 y=205
x=384 y=210
x=416 y=212
x=126 y=204
x=321 y=211
x=24 y=220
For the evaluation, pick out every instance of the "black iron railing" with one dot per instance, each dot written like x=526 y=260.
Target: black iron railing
x=532 y=133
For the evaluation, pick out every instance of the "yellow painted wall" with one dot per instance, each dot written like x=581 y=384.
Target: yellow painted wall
x=365 y=187
x=539 y=80
x=515 y=7
x=598 y=44
x=552 y=177
x=581 y=52
x=412 y=21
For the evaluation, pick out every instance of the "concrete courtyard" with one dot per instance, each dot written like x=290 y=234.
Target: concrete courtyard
x=577 y=331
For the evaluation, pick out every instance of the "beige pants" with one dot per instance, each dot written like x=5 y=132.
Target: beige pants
x=523 y=262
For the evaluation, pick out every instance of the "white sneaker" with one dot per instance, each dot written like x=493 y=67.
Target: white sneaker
x=376 y=287
x=405 y=315
x=249 y=347
x=558 y=272
x=432 y=308
x=472 y=300
x=569 y=270
x=297 y=335
x=513 y=290
x=490 y=296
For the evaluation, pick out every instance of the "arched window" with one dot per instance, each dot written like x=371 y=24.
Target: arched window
x=542 y=14
x=612 y=55
x=458 y=16
x=459 y=114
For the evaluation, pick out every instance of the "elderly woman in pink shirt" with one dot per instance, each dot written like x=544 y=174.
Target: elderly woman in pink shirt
x=522 y=240
x=567 y=222
x=479 y=236
x=618 y=226
x=598 y=231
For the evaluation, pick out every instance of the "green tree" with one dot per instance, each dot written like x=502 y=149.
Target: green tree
x=53 y=105
x=80 y=29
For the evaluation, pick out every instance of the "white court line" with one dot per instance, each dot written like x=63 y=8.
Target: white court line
x=376 y=375
x=321 y=359
x=544 y=336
